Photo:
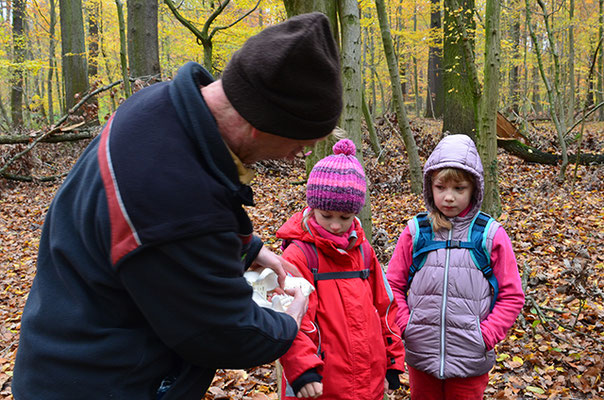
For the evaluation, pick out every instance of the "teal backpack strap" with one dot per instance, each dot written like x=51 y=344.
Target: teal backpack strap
x=423 y=243
x=477 y=235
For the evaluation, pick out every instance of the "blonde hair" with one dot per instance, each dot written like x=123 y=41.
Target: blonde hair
x=439 y=220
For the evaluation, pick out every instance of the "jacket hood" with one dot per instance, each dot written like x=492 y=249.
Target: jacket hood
x=455 y=151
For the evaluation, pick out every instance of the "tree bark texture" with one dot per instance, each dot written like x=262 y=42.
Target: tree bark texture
x=459 y=115
x=435 y=97
x=487 y=136
x=73 y=50
x=143 y=44
x=19 y=41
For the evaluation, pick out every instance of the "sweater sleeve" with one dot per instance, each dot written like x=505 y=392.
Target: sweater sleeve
x=193 y=294
x=398 y=274
x=510 y=299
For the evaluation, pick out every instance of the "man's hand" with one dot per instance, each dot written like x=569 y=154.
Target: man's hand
x=298 y=306
x=268 y=259
x=311 y=390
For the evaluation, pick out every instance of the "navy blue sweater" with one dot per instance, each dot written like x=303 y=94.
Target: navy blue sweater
x=140 y=271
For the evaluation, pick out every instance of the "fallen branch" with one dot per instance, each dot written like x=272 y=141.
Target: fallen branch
x=26 y=178
x=531 y=154
x=71 y=137
x=56 y=127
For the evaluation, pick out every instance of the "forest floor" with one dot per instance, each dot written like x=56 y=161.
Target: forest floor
x=554 y=351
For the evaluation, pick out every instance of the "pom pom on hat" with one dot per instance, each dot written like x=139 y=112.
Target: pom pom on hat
x=286 y=80
x=337 y=182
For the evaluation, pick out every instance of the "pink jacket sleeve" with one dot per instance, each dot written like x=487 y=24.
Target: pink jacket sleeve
x=510 y=300
x=398 y=273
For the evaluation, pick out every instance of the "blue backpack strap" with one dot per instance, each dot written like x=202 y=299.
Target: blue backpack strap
x=477 y=235
x=423 y=243
x=423 y=237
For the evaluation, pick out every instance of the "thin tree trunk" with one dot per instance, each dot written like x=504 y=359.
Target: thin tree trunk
x=435 y=96
x=571 y=63
x=373 y=138
x=51 y=60
x=397 y=97
x=123 y=60
x=19 y=40
x=600 y=86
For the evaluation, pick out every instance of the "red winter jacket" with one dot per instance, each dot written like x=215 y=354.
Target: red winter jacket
x=352 y=319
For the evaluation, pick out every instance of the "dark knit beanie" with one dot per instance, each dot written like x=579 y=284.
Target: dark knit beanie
x=286 y=79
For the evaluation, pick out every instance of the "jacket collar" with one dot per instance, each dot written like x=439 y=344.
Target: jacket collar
x=201 y=128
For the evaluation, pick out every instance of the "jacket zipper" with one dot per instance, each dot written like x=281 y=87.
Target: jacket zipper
x=443 y=311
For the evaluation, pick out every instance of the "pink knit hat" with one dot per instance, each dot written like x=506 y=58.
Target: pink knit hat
x=337 y=182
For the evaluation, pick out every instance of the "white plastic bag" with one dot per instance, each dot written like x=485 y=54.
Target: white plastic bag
x=264 y=282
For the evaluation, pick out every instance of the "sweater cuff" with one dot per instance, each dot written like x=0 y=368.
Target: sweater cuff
x=307 y=377
x=393 y=379
x=251 y=251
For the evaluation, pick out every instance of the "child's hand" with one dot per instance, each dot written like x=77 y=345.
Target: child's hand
x=311 y=390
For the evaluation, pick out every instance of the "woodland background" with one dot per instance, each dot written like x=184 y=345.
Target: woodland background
x=523 y=78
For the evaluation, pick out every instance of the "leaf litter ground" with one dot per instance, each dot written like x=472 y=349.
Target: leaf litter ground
x=554 y=351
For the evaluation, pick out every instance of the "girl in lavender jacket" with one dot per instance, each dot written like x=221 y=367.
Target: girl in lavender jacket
x=445 y=314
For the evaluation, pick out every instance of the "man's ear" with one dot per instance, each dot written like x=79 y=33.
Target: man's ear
x=255 y=133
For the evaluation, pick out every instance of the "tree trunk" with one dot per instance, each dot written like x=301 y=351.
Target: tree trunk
x=487 y=135
x=418 y=101
x=19 y=44
x=460 y=114
x=554 y=92
x=51 y=60
x=571 y=63
x=73 y=51
x=415 y=169
x=373 y=138
x=123 y=61
x=435 y=97
x=143 y=47
x=514 y=94
x=599 y=92
x=350 y=120
x=92 y=7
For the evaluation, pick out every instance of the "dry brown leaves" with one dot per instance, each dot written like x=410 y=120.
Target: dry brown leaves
x=554 y=351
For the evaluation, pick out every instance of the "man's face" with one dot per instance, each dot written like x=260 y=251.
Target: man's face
x=266 y=146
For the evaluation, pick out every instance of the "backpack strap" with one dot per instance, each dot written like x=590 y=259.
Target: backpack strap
x=423 y=243
x=312 y=261
x=481 y=256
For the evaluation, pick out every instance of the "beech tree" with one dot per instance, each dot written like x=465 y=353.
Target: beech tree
x=143 y=47
x=73 y=51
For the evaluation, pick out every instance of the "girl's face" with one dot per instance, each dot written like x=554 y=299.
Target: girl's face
x=451 y=197
x=335 y=222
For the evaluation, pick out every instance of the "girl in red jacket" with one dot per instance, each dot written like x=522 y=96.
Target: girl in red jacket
x=349 y=346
